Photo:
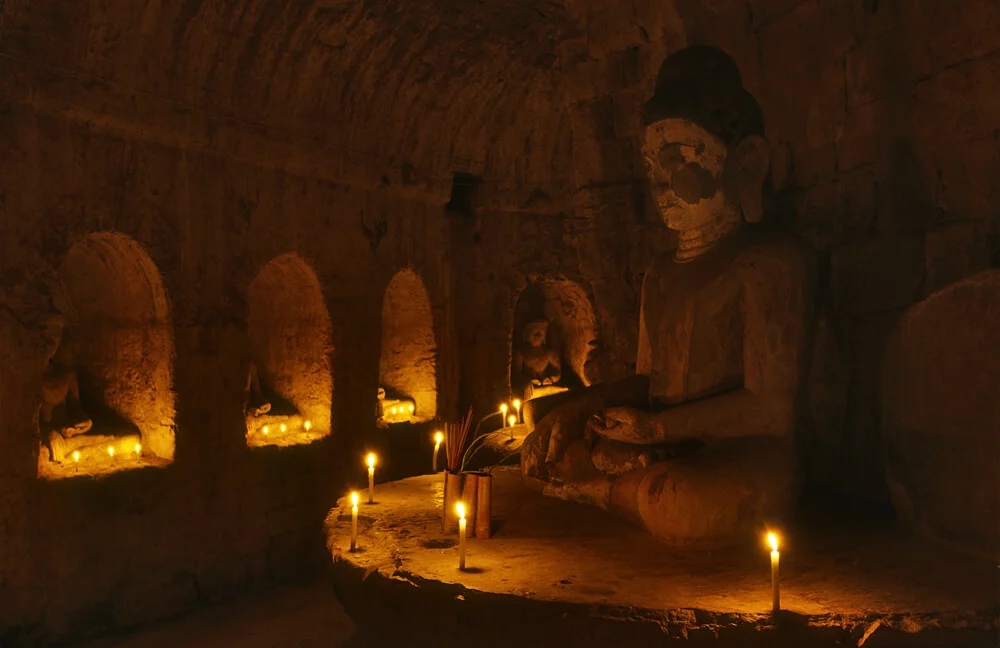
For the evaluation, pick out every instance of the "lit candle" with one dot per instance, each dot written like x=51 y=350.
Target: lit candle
x=412 y=408
x=512 y=420
x=307 y=425
x=772 y=539
x=517 y=409
x=461 y=534
x=265 y=430
x=503 y=412
x=284 y=427
x=354 y=521
x=138 y=452
x=438 y=438
x=76 y=459
x=371 y=477
x=111 y=451
x=393 y=410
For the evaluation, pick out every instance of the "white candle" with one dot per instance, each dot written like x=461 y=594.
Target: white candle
x=517 y=409
x=772 y=539
x=438 y=438
x=461 y=534
x=371 y=477
x=76 y=459
x=503 y=413
x=138 y=452
x=354 y=521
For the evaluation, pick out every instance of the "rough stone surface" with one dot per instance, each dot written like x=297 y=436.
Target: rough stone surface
x=408 y=360
x=558 y=572
x=941 y=414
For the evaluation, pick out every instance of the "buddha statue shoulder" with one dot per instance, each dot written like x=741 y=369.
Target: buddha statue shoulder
x=699 y=446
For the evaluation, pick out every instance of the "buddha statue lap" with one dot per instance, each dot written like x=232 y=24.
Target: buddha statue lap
x=536 y=369
x=699 y=447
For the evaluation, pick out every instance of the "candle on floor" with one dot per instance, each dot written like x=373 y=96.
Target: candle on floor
x=354 y=521
x=307 y=425
x=503 y=412
x=371 y=477
x=460 y=508
x=772 y=539
x=512 y=420
x=438 y=438
x=517 y=409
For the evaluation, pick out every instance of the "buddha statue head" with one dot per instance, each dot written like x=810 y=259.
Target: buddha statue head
x=536 y=333
x=703 y=147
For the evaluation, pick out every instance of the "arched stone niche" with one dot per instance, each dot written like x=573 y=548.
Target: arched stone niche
x=290 y=355
x=408 y=359
x=572 y=329
x=113 y=365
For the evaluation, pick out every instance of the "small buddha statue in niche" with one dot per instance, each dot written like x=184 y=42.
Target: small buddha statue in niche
x=536 y=369
x=699 y=447
x=257 y=403
x=63 y=421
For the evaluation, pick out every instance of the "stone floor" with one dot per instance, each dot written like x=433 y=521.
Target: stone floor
x=292 y=617
x=560 y=568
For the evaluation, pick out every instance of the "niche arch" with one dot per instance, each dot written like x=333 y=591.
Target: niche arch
x=116 y=342
x=572 y=328
x=408 y=355
x=290 y=336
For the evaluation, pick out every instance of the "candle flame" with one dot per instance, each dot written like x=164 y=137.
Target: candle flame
x=371 y=459
x=517 y=404
x=111 y=450
x=265 y=430
x=393 y=410
x=76 y=455
x=772 y=540
x=438 y=437
x=308 y=424
x=412 y=407
x=138 y=448
x=503 y=408
x=354 y=500
x=460 y=508
x=284 y=427
x=512 y=420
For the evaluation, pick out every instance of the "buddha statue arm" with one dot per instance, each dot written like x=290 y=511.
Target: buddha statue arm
x=778 y=313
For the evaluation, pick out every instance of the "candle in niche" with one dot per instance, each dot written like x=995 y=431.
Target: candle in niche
x=438 y=438
x=460 y=509
x=265 y=430
x=354 y=521
x=76 y=459
x=512 y=420
x=138 y=452
x=111 y=452
x=413 y=408
x=393 y=410
x=371 y=477
x=307 y=425
x=517 y=409
x=284 y=427
x=503 y=413
x=772 y=539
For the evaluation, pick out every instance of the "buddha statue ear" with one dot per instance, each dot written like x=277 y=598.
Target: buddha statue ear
x=753 y=159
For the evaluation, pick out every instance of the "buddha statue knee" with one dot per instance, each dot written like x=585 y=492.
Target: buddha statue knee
x=724 y=327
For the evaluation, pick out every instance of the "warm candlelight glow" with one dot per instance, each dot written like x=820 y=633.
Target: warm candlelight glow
x=371 y=460
x=772 y=540
x=503 y=408
x=512 y=420
x=265 y=430
x=393 y=410
x=76 y=456
x=503 y=413
x=371 y=477
x=111 y=451
x=517 y=408
x=354 y=521
x=438 y=437
x=307 y=425
x=460 y=509
x=138 y=448
x=354 y=499
x=284 y=427
x=412 y=408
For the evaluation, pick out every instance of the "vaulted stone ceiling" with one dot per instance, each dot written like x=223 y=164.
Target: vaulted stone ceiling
x=411 y=90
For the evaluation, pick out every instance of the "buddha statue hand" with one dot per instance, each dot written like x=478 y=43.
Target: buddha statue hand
x=626 y=425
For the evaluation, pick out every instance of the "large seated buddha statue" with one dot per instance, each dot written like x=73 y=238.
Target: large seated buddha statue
x=699 y=446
